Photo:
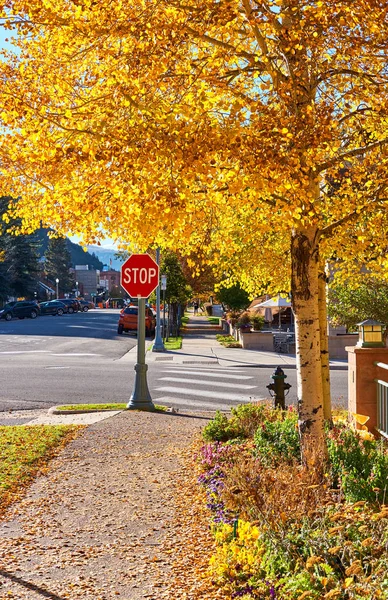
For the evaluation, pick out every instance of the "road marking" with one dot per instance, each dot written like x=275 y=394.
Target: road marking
x=205 y=394
x=210 y=374
x=57 y=367
x=76 y=354
x=213 y=383
x=204 y=369
x=25 y=351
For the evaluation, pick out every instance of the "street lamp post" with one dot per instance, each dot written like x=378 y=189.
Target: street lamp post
x=76 y=289
x=57 y=282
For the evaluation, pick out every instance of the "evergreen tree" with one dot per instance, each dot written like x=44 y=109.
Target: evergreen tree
x=58 y=263
x=19 y=266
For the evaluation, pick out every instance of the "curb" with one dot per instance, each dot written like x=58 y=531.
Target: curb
x=54 y=411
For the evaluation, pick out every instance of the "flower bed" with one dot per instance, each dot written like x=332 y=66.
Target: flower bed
x=279 y=534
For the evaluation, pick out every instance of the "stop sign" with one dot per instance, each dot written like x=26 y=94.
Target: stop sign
x=139 y=275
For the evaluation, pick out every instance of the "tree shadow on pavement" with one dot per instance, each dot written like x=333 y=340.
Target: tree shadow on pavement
x=31 y=586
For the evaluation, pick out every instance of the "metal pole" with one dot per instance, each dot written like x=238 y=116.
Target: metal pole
x=164 y=314
x=141 y=397
x=158 y=342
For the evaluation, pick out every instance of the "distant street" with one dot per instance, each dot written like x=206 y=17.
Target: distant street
x=81 y=358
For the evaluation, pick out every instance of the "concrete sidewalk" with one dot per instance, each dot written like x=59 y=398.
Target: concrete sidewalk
x=200 y=346
x=103 y=520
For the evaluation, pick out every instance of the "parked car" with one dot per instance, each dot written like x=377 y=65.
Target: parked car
x=53 y=307
x=72 y=304
x=22 y=309
x=128 y=320
x=85 y=305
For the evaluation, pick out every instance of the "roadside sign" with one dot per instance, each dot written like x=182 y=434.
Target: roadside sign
x=163 y=282
x=139 y=275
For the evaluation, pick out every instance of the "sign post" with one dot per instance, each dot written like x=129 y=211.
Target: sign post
x=139 y=278
x=158 y=341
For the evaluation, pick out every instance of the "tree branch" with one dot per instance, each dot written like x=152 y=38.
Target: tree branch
x=327 y=231
x=355 y=152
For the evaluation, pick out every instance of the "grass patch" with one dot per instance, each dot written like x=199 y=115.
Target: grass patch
x=173 y=343
x=228 y=341
x=214 y=320
x=25 y=450
x=185 y=320
x=112 y=406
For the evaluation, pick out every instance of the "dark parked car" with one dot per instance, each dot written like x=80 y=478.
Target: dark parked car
x=85 y=305
x=24 y=308
x=53 y=307
x=72 y=304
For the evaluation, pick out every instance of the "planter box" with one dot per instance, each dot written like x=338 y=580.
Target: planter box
x=257 y=340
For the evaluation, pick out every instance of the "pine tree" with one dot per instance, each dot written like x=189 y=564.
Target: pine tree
x=58 y=263
x=19 y=266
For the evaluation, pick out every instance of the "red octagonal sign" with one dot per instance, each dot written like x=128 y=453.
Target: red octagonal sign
x=139 y=275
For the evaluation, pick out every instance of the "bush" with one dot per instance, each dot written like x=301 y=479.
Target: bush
x=257 y=322
x=228 y=341
x=243 y=423
x=358 y=466
x=244 y=320
x=219 y=429
x=278 y=441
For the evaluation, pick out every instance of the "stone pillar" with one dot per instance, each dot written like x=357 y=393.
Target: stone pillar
x=361 y=382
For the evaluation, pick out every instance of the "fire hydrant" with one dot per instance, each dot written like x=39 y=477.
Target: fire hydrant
x=278 y=387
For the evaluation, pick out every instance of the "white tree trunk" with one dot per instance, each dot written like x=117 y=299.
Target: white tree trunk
x=322 y=300
x=304 y=288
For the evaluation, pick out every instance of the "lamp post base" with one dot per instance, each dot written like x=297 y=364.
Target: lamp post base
x=158 y=346
x=141 y=397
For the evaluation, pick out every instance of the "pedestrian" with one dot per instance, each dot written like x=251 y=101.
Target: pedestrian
x=195 y=308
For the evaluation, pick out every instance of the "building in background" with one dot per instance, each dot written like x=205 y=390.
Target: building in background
x=109 y=279
x=88 y=280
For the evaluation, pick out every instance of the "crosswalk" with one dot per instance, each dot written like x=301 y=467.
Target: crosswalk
x=207 y=388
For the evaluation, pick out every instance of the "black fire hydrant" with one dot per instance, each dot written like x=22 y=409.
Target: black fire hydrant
x=279 y=387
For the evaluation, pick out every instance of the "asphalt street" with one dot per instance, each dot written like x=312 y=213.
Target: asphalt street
x=81 y=358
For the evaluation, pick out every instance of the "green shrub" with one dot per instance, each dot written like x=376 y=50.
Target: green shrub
x=219 y=429
x=257 y=322
x=278 y=441
x=228 y=341
x=243 y=422
x=358 y=466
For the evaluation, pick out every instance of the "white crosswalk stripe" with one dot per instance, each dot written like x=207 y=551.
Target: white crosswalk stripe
x=205 y=388
x=205 y=393
x=210 y=374
x=239 y=386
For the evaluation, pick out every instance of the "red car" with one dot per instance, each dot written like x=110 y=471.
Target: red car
x=128 y=320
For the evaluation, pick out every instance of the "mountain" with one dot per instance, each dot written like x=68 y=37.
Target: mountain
x=78 y=255
x=107 y=256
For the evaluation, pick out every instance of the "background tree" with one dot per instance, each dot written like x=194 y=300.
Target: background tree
x=58 y=262
x=350 y=304
x=117 y=292
x=177 y=291
x=19 y=266
x=233 y=297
